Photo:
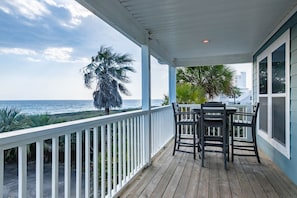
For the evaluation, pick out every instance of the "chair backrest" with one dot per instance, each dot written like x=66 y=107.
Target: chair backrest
x=255 y=111
x=176 y=110
x=213 y=115
x=175 y=107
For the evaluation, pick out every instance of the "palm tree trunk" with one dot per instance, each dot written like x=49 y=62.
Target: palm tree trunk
x=106 y=111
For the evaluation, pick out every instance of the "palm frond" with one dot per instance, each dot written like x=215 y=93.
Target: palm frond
x=123 y=89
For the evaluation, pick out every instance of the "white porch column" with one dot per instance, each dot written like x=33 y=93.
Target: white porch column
x=146 y=77
x=172 y=84
x=146 y=100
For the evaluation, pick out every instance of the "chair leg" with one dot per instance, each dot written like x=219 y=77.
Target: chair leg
x=225 y=151
x=255 y=144
x=179 y=136
x=175 y=141
x=202 y=154
x=198 y=138
x=194 y=141
x=227 y=148
x=232 y=144
x=202 y=148
x=256 y=150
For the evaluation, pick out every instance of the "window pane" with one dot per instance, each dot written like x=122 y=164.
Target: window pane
x=263 y=76
x=263 y=114
x=278 y=119
x=278 y=70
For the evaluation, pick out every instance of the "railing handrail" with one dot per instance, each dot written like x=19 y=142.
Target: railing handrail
x=160 y=108
x=30 y=135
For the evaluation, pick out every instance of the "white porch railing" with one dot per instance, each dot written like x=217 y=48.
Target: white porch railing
x=239 y=133
x=162 y=128
x=93 y=157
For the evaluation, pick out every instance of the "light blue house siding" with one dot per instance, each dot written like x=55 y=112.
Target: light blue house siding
x=288 y=166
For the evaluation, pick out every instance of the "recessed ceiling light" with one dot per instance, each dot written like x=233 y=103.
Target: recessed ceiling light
x=205 y=41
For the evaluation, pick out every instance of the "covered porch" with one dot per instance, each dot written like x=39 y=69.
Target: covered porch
x=123 y=155
x=195 y=33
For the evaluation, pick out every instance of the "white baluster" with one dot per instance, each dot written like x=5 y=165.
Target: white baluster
x=109 y=184
x=120 y=153
x=67 y=166
x=22 y=171
x=78 y=163
x=87 y=162
x=114 y=146
x=39 y=168
x=124 y=151
x=103 y=184
x=95 y=162
x=55 y=166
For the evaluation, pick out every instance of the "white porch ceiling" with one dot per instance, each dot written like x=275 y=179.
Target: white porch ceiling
x=235 y=28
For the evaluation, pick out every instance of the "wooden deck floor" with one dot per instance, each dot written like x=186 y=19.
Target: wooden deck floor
x=182 y=176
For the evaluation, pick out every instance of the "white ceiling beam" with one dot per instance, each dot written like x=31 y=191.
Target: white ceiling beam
x=214 y=60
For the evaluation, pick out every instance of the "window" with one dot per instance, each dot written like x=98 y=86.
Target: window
x=263 y=76
x=273 y=94
x=278 y=70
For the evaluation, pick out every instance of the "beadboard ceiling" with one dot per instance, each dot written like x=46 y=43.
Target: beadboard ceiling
x=176 y=29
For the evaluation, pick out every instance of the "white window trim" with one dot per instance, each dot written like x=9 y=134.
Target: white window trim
x=284 y=149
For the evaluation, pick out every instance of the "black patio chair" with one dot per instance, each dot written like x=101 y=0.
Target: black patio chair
x=246 y=120
x=213 y=116
x=186 y=126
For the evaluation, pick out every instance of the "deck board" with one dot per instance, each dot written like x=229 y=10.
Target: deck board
x=185 y=178
x=182 y=176
x=248 y=170
x=192 y=188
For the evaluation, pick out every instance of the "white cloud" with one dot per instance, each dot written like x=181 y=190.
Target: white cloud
x=56 y=54
x=17 y=51
x=31 y=9
x=83 y=60
x=33 y=59
x=5 y=10
x=77 y=11
x=34 y=9
x=62 y=54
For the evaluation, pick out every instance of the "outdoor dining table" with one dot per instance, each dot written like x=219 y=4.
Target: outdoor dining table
x=230 y=110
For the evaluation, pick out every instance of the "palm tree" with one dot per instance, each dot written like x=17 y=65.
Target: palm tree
x=214 y=79
x=108 y=70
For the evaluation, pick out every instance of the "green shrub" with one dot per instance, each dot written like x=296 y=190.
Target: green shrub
x=12 y=119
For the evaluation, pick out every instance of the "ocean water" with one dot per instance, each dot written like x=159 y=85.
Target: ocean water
x=64 y=106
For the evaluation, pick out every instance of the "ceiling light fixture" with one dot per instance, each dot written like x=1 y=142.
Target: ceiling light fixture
x=205 y=41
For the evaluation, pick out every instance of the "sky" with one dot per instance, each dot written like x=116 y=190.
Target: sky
x=44 y=44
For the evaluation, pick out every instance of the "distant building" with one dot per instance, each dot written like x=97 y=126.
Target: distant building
x=240 y=80
x=246 y=94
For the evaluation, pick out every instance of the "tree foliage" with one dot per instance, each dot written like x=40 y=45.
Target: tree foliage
x=187 y=93
x=108 y=70
x=12 y=119
x=214 y=80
